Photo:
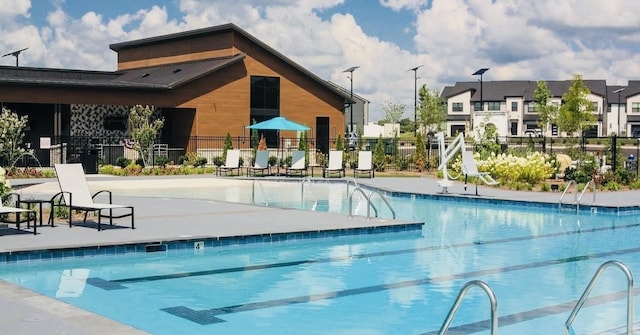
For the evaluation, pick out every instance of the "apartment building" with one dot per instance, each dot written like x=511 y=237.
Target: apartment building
x=511 y=107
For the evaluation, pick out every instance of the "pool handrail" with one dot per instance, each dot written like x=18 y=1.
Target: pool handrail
x=351 y=180
x=302 y=182
x=566 y=189
x=253 y=193
x=591 y=182
x=585 y=295
x=384 y=199
x=454 y=309
x=366 y=198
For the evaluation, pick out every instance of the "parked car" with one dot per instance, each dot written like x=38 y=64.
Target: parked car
x=537 y=132
x=351 y=139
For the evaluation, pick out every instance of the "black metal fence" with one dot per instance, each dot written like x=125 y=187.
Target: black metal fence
x=399 y=152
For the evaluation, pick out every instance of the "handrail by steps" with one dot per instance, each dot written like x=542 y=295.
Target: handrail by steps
x=253 y=193
x=461 y=295
x=592 y=284
x=591 y=182
x=566 y=189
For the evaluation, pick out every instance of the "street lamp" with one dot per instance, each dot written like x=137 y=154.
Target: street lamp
x=480 y=73
x=415 y=99
x=350 y=70
x=619 y=105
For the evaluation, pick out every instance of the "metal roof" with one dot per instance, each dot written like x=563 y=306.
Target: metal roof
x=161 y=77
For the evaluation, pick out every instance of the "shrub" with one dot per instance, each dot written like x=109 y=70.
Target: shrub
x=140 y=162
x=217 y=161
x=123 y=162
x=273 y=160
x=162 y=161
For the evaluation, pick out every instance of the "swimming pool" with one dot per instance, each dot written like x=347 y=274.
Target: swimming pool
x=538 y=262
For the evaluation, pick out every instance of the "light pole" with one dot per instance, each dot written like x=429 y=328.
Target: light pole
x=480 y=73
x=350 y=70
x=619 y=105
x=415 y=99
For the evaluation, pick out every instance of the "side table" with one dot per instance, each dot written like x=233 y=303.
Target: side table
x=40 y=203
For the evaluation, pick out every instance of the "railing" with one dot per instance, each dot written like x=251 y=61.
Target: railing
x=351 y=181
x=302 y=182
x=461 y=295
x=384 y=199
x=253 y=192
x=566 y=189
x=369 y=203
x=366 y=198
x=586 y=187
x=592 y=284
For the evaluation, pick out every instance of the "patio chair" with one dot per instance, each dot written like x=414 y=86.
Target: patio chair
x=365 y=165
x=75 y=195
x=298 y=164
x=30 y=214
x=335 y=164
x=232 y=163
x=470 y=169
x=261 y=164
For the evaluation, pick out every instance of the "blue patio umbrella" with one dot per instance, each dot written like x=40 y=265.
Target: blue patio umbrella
x=278 y=123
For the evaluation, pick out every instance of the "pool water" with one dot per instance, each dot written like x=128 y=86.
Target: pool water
x=537 y=261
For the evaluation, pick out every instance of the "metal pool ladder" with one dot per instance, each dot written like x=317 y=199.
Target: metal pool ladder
x=253 y=192
x=461 y=295
x=576 y=199
x=592 y=284
x=369 y=203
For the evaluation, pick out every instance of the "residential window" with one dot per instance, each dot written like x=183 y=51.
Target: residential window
x=608 y=108
x=494 y=105
x=477 y=106
x=514 y=106
x=514 y=128
x=595 y=106
x=635 y=107
x=532 y=107
x=456 y=128
x=554 y=130
x=456 y=107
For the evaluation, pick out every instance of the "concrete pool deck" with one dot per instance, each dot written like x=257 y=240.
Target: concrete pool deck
x=164 y=219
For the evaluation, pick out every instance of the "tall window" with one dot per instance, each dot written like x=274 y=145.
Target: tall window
x=514 y=106
x=456 y=107
x=532 y=107
x=635 y=107
x=494 y=105
x=477 y=106
x=265 y=104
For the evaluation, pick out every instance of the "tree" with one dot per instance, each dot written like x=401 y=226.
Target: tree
x=576 y=112
x=432 y=111
x=547 y=111
x=303 y=144
x=392 y=111
x=420 y=159
x=144 y=131
x=11 y=135
x=228 y=145
x=379 y=155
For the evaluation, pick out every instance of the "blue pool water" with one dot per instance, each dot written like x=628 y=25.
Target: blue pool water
x=538 y=262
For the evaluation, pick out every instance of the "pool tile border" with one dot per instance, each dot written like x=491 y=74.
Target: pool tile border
x=28 y=256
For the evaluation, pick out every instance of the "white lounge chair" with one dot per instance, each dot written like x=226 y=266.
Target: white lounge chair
x=470 y=169
x=261 y=164
x=365 y=164
x=232 y=162
x=335 y=164
x=75 y=195
x=31 y=214
x=298 y=164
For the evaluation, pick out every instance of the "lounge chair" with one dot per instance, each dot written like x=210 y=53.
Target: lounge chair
x=470 y=169
x=232 y=162
x=335 y=164
x=31 y=214
x=75 y=195
x=365 y=165
x=261 y=164
x=298 y=164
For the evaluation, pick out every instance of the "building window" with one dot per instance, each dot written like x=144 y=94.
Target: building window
x=609 y=108
x=494 y=105
x=554 y=130
x=514 y=128
x=635 y=107
x=265 y=104
x=456 y=107
x=514 y=106
x=456 y=128
x=265 y=92
x=532 y=107
x=595 y=106
x=477 y=106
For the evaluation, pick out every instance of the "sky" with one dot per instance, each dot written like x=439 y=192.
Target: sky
x=448 y=39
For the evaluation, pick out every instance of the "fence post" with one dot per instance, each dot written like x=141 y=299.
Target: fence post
x=614 y=152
